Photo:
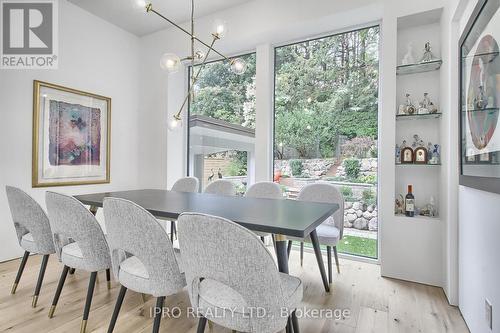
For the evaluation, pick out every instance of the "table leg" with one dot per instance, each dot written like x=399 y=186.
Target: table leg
x=282 y=256
x=282 y=253
x=93 y=209
x=319 y=258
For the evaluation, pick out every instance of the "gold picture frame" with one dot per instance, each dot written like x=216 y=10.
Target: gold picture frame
x=82 y=121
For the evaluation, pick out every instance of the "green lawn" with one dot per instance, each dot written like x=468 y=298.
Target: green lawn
x=359 y=246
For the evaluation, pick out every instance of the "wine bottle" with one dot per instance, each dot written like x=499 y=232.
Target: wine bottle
x=410 y=202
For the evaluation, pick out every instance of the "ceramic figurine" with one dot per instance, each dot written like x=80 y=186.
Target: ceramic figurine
x=424 y=105
x=408 y=59
x=398 y=154
x=430 y=148
x=436 y=155
x=410 y=108
x=399 y=205
x=428 y=56
x=417 y=141
x=403 y=145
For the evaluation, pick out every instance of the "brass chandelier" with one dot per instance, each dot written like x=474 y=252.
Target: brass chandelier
x=172 y=62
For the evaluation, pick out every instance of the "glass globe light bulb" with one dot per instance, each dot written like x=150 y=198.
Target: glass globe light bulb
x=170 y=62
x=238 y=66
x=139 y=5
x=174 y=123
x=219 y=28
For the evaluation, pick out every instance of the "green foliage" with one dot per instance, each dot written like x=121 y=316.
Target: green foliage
x=221 y=94
x=368 y=179
x=358 y=147
x=238 y=164
x=346 y=191
x=326 y=88
x=352 y=167
x=297 y=167
x=369 y=197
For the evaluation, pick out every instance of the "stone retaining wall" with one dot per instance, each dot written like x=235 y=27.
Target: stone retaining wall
x=360 y=216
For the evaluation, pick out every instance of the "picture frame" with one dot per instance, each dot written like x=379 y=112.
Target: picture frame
x=407 y=155
x=71 y=136
x=420 y=155
x=479 y=98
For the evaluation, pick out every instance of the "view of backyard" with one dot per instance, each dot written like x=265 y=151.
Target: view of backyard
x=326 y=105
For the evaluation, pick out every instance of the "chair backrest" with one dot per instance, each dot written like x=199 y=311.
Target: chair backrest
x=132 y=230
x=71 y=220
x=326 y=193
x=221 y=187
x=29 y=217
x=187 y=184
x=265 y=190
x=218 y=249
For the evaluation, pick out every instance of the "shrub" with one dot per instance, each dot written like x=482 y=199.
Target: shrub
x=368 y=179
x=297 y=167
x=352 y=168
x=369 y=197
x=346 y=192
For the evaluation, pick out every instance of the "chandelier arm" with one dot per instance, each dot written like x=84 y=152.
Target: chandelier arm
x=195 y=78
x=151 y=9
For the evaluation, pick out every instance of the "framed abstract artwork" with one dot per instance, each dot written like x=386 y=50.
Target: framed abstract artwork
x=480 y=98
x=71 y=136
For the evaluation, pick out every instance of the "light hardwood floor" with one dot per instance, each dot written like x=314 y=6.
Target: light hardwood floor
x=375 y=304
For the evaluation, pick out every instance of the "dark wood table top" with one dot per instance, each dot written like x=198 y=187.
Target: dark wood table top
x=286 y=217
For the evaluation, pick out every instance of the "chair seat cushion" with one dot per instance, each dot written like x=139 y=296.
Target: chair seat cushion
x=231 y=308
x=328 y=235
x=134 y=275
x=28 y=243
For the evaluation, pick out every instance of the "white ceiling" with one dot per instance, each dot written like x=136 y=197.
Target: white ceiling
x=124 y=14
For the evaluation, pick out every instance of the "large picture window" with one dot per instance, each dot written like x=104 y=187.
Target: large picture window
x=326 y=108
x=222 y=124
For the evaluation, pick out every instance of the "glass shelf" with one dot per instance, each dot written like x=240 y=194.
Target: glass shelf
x=486 y=57
x=417 y=164
x=419 y=68
x=489 y=110
x=418 y=116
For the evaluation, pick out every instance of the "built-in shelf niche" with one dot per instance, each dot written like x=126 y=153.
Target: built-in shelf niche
x=417 y=79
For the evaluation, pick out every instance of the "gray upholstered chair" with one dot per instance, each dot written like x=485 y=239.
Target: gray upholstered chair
x=264 y=190
x=79 y=242
x=33 y=233
x=221 y=187
x=228 y=267
x=185 y=184
x=331 y=231
x=143 y=257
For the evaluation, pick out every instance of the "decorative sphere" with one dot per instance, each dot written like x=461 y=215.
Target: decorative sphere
x=238 y=66
x=170 y=62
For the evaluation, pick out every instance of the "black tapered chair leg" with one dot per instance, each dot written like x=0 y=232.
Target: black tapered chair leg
x=88 y=302
x=41 y=275
x=295 y=323
x=319 y=259
x=336 y=258
x=301 y=254
x=329 y=256
x=172 y=227
x=60 y=286
x=289 y=248
x=289 y=326
x=158 y=313
x=20 y=272
x=116 y=311
x=201 y=325
x=108 y=278
x=72 y=271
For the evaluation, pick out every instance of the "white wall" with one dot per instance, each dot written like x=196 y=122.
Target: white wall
x=94 y=56
x=479 y=228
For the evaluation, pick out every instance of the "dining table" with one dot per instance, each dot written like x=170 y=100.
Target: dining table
x=283 y=218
